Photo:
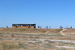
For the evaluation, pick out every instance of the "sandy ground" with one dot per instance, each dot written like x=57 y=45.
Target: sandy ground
x=65 y=47
x=43 y=41
x=62 y=32
x=47 y=32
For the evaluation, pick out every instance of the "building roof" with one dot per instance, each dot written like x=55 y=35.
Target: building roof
x=23 y=24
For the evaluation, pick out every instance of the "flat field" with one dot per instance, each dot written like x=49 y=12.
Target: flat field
x=35 y=39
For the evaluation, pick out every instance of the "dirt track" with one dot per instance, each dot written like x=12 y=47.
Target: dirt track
x=62 y=32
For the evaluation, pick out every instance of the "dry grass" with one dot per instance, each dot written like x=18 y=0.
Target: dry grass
x=9 y=45
x=22 y=41
x=69 y=31
x=19 y=45
x=23 y=30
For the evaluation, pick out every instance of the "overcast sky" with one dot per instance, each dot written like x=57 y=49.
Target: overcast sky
x=53 y=13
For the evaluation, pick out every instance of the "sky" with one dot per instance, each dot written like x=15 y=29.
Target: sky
x=53 y=13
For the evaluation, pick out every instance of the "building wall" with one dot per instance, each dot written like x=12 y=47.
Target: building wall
x=31 y=26
x=22 y=26
x=13 y=26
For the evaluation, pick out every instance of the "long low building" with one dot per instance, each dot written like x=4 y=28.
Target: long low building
x=23 y=25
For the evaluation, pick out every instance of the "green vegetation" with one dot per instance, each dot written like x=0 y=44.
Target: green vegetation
x=48 y=45
x=61 y=49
